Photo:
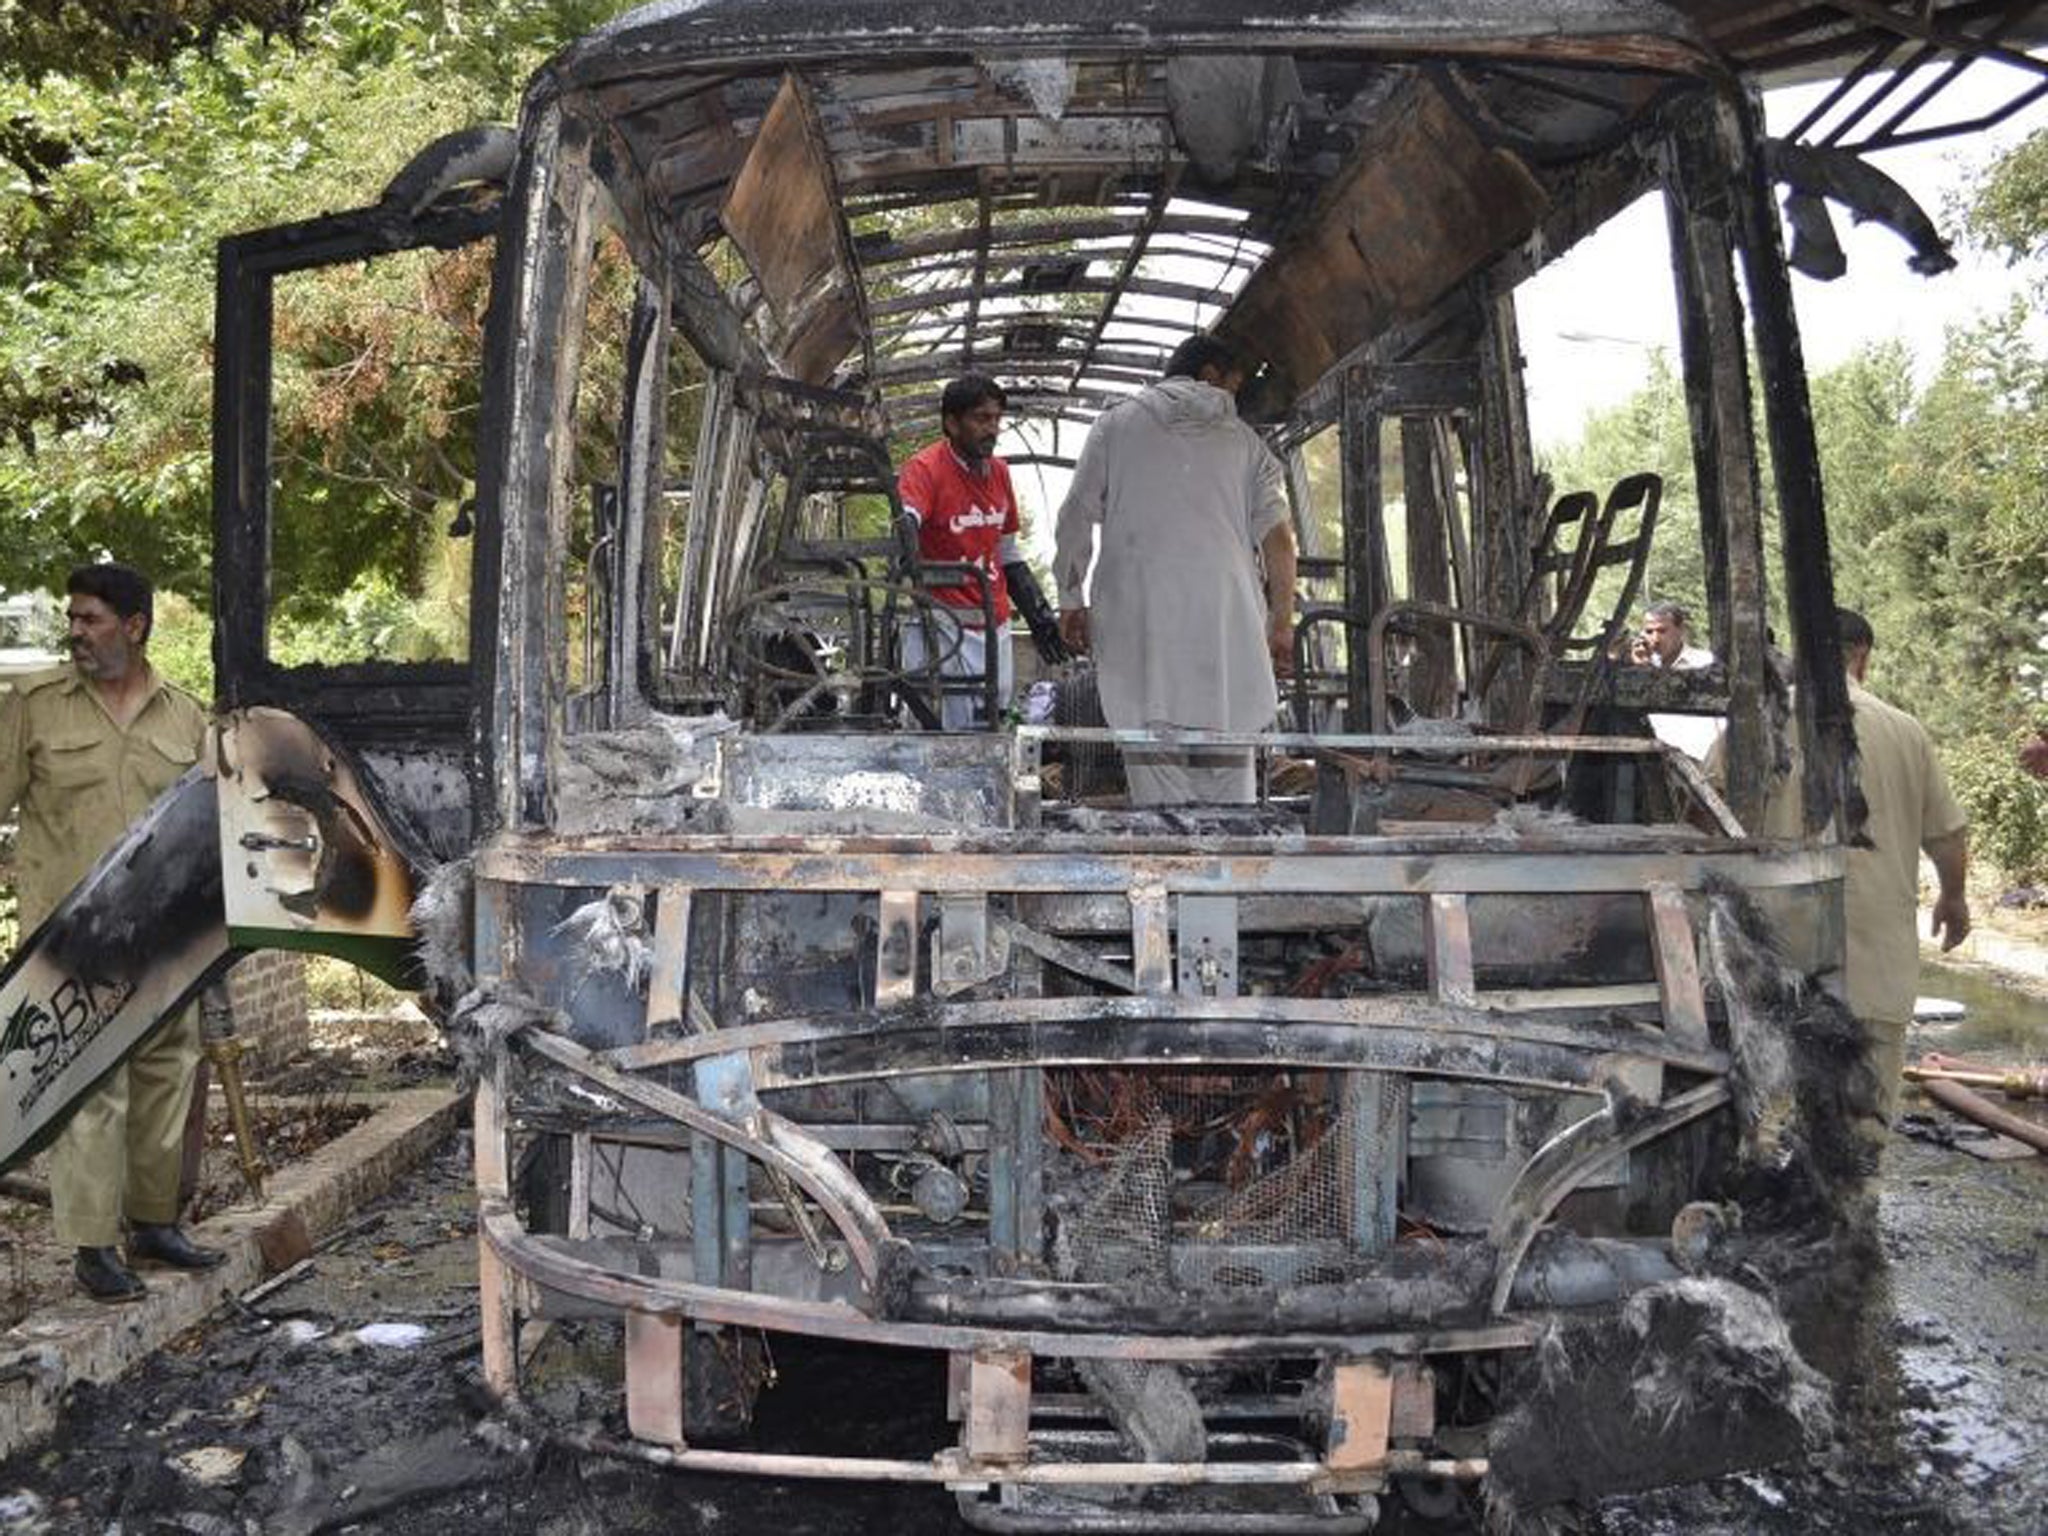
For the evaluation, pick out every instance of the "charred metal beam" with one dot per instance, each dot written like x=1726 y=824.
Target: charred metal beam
x=1133 y=367
x=1449 y=1289
x=1919 y=27
x=1699 y=203
x=1821 y=700
x=1504 y=507
x=1158 y=288
x=1127 y=272
x=632 y=639
x=980 y=279
x=1574 y=1155
x=709 y=322
x=1044 y=232
x=515 y=575
x=1558 y=1047
x=1368 y=577
x=1243 y=866
x=1979 y=124
x=557 y=1264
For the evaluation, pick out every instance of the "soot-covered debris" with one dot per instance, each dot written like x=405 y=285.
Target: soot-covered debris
x=441 y=915
x=1805 y=1099
x=1686 y=1380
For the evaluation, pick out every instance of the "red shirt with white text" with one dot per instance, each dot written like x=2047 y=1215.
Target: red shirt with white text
x=962 y=516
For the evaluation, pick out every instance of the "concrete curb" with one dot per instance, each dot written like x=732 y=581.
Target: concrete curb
x=76 y=1340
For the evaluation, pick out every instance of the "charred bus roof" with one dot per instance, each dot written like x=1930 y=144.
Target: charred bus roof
x=1029 y=191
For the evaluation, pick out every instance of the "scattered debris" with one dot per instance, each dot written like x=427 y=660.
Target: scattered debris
x=277 y=1282
x=391 y=1335
x=212 y=1466
x=1937 y=1010
x=1958 y=1099
x=1805 y=1098
x=1688 y=1379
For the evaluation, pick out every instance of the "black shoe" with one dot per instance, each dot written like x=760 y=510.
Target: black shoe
x=103 y=1277
x=165 y=1243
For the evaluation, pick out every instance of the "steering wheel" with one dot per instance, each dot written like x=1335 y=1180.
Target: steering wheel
x=788 y=611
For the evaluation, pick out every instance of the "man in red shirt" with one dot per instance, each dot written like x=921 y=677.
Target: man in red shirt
x=958 y=493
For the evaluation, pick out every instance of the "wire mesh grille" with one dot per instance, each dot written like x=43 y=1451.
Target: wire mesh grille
x=1164 y=1175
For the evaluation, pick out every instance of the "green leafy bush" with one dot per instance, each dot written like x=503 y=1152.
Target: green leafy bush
x=2007 y=806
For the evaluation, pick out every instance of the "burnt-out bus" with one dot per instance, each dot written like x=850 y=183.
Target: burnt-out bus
x=1405 y=1130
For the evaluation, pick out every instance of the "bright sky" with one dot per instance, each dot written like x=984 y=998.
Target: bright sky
x=1590 y=323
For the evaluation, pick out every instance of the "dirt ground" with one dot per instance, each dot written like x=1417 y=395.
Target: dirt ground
x=285 y=1417
x=315 y=1097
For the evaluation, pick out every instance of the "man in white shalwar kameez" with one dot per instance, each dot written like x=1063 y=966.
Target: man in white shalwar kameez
x=1191 y=609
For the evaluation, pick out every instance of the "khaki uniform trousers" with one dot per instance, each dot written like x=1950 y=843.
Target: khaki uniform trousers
x=121 y=1152
x=1884 y=1047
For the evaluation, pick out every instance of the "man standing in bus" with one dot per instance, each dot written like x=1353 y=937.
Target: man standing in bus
x=1187 y=628
x=958 y=493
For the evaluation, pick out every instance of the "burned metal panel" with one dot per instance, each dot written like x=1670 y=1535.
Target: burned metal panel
x=1422 y=202
x=1699 y=202
x=303 y=845
x=782 y=211
x=528 y=406
x=132 y=944
x=1826 y=726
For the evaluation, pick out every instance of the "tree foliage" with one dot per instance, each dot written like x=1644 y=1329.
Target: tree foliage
x=123 y=174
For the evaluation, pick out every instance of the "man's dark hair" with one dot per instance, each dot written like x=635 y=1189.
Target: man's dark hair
x=1199 y=352
x=121 y=587
x=1672 y=613
x=968 y=391
x=1852 y=630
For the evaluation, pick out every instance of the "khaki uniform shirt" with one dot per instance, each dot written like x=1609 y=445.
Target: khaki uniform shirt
x=1910 y=807
x=80 y=779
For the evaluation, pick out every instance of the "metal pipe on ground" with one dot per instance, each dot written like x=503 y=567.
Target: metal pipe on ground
x=1974 y=1107
x=2014 y=1085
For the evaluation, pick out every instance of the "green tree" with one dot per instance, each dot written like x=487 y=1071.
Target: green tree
x=1935 y=527
x=134 y=172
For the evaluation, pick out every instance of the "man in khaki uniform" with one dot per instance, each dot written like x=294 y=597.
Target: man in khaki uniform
x=84 y=750
x=1911 y=809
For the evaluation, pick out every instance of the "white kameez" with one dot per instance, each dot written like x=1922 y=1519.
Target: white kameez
x=1183 y=491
